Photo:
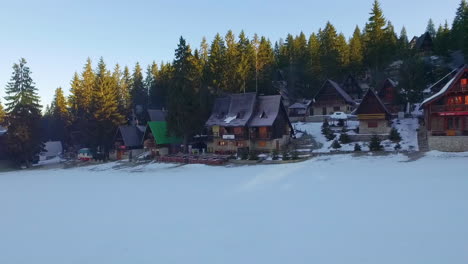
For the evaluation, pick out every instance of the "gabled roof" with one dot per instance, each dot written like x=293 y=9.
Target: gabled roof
x=266 y=111
x=157 y=115
x=233 y=110
x=131 y=135
x=160 y=134
x=420 y=41
x=371 y=104
x=447 y=87
x=340 y=91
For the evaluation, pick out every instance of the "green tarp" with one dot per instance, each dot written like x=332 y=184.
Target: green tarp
x=159 y=131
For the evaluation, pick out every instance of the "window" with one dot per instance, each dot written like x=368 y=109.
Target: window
x=222 y=143
x=238 y=130
x=262 y=144
x=336 y=108
x=466 y=99
x=240 y=144
x=263 y=132
x=464 y=83
x=453 y=123
x=455 y=100
x=372 y=124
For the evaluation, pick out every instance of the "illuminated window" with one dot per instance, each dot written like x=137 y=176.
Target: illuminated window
x=222 y=143
x=263 y=132
x=464 y=83
x=240 y=144
x=262 y=144
x=372 y=124
x=466 y=99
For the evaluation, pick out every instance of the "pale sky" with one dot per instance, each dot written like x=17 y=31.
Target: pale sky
x=56 y=36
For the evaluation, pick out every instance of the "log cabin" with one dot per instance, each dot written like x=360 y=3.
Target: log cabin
x=128 y=141
x=373 y=115
x=332 y=98
x=156 y=138
x=446 y=115
x=248 y=122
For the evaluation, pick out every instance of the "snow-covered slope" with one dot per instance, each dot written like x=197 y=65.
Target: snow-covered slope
x=337 y=209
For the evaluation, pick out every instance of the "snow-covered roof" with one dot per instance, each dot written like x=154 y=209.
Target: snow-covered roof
x=446 y=87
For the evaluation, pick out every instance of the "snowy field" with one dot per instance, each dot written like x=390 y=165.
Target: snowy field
x=337 y=209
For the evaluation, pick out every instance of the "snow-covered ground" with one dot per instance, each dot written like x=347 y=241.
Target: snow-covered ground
x=406 y=127
x=333 y=209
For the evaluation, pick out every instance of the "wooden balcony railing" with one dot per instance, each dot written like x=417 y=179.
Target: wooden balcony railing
x=449 y=108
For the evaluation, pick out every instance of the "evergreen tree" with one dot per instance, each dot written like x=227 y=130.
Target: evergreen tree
x=343 y=51
x=375 y=144
x=139 y=94
x=390 y=47
x=204 y=50
x=58 y=118
x=330 y=58
x=431 y=28
x=442 y=40
x=265 y=66
x=356 y=50
x=216 y=63
x=125 y=97
x=183 y=120
x=105 y=108
x=77 y=98
x=23 y=115
x=412 y=80
x=314 y=71
x=375 y=38
x=403 y=44
x=87 y=86
x=460 y=28
x=2 y=114
x=230 y=77
x=246 y=66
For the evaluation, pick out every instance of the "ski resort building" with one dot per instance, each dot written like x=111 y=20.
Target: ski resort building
x=446 y=115
x=248 y=122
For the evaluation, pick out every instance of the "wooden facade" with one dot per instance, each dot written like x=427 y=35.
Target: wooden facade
x=332 y=98
x=446 y=113
x=388 y=93
x=266 y=128
x=373 y=115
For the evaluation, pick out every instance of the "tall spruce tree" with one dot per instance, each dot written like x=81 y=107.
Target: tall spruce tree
x=59 y=118
x=356 y=50
x=330 y=58
x=459 y=35
x=216 y=63
x=183 y=118
x=403 y=44
x=23 y=115
x=105 y=106
x=125 y=96
x=139 y=94
x=442 y=40
x=246 y=66
x=232 y=56
x=431 y=28
x=87 y=86
x=265 y=66
x=375 y=38
x=314 y=71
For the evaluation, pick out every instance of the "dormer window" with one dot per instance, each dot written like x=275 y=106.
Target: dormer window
x=263 y=115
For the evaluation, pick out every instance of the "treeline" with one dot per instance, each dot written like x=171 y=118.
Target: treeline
x=102 y=98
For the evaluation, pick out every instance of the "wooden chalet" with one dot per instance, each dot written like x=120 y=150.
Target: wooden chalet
x=156 y=138
x=332 y=98
x=128 y=141
x=373 y=115
x=248 y=122
x=422 y=44
x=446 y=114
x=352 y=87
x=388 y=93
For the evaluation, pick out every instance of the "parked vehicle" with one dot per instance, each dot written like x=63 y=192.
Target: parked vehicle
x=85 y=154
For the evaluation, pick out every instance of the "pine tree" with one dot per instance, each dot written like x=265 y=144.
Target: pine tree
x=125 y=96
x=391 y=43
x=230 y=78
x=403 y=44
x=59 y=118
x=442 y=40
x=412 y=80
x=431 y=28
x=375 y=144
x=77 y=98
x=23 y=115
x=314 y=71
x=246 y=66
x=356 y=50
x=105 y=106
x=183 y=119
x=216 y=63
x=330 y=58
x=459 y=36
x=343 y=51
x=375 y=38
x=265 y=66
x=87 y=86
x=139 y=94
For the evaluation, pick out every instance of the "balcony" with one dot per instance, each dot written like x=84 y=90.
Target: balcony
x=449 y=108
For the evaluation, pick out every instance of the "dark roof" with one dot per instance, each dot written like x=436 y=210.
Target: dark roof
x=371 y=104
x=266 y=111
x=426 y=37
x=157 y=115
x=132 y=136
x=340 y=91
x=233 y=110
